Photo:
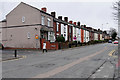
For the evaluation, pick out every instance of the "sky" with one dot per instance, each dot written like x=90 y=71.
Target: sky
x=93 y=13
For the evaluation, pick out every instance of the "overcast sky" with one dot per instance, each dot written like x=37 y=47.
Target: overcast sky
x=93 y=13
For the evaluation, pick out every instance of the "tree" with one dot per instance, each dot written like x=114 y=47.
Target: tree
x=116 y=7
x=114 y=35
x=60 y=39
x=112 y=30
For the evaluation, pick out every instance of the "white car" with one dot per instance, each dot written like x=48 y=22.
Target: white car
x=115 y=42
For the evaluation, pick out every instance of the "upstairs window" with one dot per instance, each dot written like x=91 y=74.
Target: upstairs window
x=43 y=20
x=28 y=35
x=64 y=29
x=49 y=22
x=57 y=28
x=23 y=19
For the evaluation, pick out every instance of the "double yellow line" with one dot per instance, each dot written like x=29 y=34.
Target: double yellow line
x=13 y=59
x=111 y=53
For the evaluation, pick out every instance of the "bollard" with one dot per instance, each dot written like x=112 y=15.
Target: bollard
x=15 y=53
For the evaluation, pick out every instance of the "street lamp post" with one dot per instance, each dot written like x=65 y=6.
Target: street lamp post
x=102 y=27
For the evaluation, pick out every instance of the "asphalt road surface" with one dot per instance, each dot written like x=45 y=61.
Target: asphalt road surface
x=93 y=61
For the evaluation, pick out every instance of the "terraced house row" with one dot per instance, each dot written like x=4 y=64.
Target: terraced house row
x=28 y=27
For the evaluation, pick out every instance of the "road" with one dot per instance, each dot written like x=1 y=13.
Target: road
x=93 y=61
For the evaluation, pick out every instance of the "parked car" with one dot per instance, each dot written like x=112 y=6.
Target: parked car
x=1 y=46
x=110 y=41
x=115 y=42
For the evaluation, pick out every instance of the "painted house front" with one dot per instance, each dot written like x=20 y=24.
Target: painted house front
x=78 y=35
x=70 y=31
x=95 y=34
x=87 y=36
x=84 y=35
x=64 y=31
x=24 y=23
x=3 y=31
x=74 y=33
x=101 y=38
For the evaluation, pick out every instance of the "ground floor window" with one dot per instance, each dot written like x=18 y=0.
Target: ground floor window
x=51 y=36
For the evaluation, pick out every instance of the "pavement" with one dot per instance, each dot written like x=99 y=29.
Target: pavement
x=91 y=61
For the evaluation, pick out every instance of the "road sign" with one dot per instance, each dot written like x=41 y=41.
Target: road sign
x=36 y=36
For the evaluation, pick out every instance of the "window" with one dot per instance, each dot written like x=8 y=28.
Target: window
x=75 y=31
x=64 y=35
x=57 y=27
x=51 y=37
x=43 y=20
x=64 y=29
x=49 y=22
x=28 y=35
x=23 y=19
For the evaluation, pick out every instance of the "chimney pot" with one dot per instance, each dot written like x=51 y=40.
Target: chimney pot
x=75 y=23
x=44 y=9
x=84 y=26
x=70 y=22
x=60 y=17
x=66 y=19
x=78 y=23
x=53 y=14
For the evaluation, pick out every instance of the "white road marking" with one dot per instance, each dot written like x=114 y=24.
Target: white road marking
x=101 y=67
x=98 y=70
x=106 y=76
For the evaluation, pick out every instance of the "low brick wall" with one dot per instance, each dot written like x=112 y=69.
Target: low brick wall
x=49 y=45
x=64 y=45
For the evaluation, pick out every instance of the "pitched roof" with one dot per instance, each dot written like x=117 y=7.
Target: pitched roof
x=31 y=7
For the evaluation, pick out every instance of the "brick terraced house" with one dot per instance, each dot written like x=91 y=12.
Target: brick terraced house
x=28 y=27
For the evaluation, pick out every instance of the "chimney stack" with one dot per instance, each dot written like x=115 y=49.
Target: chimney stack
x=74 y=23
x=78 y=23
x=53 y=14
x=98 y=30
x=44 y=9
x=66 y=19
x=70 y=22
x=60 y=17
x=82 y=26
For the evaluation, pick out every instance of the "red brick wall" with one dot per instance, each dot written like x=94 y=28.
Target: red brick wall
x=82 y=35
x=54 y=28
x=49 y=46
x=92 y=37
x=72 y=33
x=99 y=36
x=68 y=34
x=59 y=29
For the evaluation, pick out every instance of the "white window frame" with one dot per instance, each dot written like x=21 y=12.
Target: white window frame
x=64 y=29
x=57 y=27
x=43 y=20
x=48 y=22
x=28 y=35
x=23 y=19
